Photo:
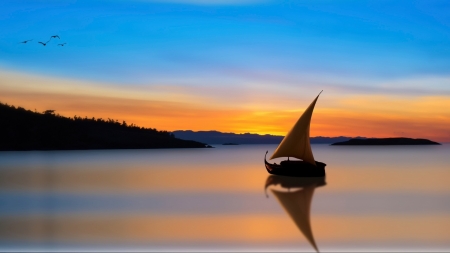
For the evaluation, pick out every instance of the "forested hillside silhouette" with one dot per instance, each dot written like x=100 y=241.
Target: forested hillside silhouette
x=22 y=129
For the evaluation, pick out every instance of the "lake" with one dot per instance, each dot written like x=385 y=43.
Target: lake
x=391 y=198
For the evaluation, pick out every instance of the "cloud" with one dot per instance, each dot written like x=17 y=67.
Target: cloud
x=246 y=106
x=286 y=82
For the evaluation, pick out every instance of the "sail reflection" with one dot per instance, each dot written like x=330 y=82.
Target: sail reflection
x=296 y=197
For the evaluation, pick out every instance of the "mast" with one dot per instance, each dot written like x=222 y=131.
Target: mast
x=296 y=143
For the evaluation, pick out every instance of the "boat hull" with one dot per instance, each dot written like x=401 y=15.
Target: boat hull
x=294 y=182
x=296 y=168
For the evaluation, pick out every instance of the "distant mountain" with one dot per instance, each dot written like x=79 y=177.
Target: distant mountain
x=215 y=137
x=22 y=129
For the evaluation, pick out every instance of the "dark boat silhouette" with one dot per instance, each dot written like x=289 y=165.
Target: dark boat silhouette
x=296 y=144
x=296 y=201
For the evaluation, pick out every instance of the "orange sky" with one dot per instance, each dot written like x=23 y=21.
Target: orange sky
x=267 y=111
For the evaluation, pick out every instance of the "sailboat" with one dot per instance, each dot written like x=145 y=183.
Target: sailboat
x=296 y=144
x=297 y=202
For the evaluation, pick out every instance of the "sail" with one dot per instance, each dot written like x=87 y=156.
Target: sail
x=296 y=142
x=298 y=204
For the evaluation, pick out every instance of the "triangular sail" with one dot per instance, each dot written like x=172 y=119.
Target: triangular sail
x=296 y=142
x=298 y=205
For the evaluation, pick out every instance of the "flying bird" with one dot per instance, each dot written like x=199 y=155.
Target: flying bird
x=44 y=44
x=55 y=36
x=25 y=41
x=62 y=44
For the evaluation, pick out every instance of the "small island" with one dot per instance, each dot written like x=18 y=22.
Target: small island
x=22 y=129
x=385 y=141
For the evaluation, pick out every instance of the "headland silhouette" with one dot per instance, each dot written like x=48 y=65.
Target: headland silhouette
x=23 y=129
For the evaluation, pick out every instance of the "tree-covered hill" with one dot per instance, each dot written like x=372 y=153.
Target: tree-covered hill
x=22 y=129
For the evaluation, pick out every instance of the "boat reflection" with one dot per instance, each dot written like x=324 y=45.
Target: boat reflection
x=296 y=197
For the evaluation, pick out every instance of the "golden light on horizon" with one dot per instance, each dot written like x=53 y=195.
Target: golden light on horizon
x=172 y=108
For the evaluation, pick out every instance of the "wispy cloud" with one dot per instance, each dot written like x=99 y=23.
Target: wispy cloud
x=243 y=107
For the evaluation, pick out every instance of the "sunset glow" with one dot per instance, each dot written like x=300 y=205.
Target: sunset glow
x=234 y=66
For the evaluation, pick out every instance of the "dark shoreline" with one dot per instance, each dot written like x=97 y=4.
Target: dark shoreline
x=25 y=130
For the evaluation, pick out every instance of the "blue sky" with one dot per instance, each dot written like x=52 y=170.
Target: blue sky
x=379 y=62
x=145 y=41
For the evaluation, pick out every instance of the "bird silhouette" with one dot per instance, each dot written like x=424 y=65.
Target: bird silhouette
x=55 y=36
x=25 y=41
x=62 y=44
x=44 y=44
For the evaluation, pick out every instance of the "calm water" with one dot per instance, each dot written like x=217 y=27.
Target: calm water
x=375 y=198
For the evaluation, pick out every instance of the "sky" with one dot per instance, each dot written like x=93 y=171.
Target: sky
x=234 y=66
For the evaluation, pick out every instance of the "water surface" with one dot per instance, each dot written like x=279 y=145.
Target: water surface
x=375 y=198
